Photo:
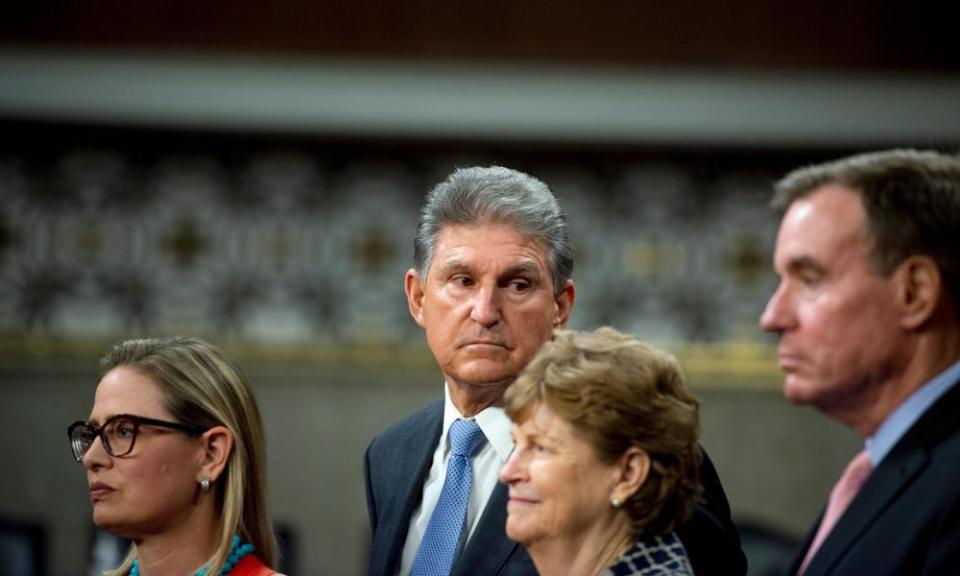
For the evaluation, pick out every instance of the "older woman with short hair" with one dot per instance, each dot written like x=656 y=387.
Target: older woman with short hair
x=606 y=464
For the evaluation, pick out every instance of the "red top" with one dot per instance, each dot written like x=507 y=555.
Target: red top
x=250 y=565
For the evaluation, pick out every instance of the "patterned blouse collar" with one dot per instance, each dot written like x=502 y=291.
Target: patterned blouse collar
x=653 y=556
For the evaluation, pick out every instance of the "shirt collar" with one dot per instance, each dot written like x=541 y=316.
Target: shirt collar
x=900 y=420
x=493 y=421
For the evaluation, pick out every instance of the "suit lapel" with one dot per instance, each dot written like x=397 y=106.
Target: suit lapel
x=414 y=457
x=898 y=469
x=880 y=490
x=489 y=547
x=805 y=545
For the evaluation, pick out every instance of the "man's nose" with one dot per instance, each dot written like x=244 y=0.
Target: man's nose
x=776 y=315
x=486 y=307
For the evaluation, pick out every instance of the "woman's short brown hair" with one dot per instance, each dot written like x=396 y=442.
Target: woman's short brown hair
x=619 y=392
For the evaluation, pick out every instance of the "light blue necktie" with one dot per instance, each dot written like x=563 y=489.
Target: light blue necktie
x=442 y=538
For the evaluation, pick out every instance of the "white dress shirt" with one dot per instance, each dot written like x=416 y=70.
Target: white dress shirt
x=486 y=466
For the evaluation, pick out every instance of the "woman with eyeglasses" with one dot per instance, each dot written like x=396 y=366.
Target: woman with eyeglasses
x=175 y=457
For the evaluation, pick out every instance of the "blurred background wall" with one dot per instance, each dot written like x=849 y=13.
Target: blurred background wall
x=251 y=173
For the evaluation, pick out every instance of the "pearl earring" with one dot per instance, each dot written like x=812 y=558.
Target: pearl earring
x=204 y=484
x=615 y=501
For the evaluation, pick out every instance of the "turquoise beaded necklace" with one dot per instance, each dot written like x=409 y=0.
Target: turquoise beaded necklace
x=237 y=552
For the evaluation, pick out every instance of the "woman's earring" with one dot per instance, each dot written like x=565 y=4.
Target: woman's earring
x=204 y=484
x=615 y=501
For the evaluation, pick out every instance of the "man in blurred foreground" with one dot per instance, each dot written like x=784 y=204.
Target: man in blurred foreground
x=868 y=316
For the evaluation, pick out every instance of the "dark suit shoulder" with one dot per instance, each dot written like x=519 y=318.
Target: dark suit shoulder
x=395 y=465
x=906 y=517
x=710 y=536
x=422 y=426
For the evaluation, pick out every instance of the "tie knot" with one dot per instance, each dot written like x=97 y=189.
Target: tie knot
x=465 y=437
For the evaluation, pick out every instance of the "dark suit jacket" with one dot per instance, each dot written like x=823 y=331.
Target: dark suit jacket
x=906 y=518
x=398 y=461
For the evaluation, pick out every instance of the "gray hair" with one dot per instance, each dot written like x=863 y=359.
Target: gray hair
x=911 y=199
x=481 y=195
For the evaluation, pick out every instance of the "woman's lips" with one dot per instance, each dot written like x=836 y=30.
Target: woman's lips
x=100 y=490
x=519 y=501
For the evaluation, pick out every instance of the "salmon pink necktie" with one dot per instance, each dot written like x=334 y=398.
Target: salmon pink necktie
x=843 y=492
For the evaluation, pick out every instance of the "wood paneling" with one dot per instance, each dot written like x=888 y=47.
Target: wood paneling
x=842 y=34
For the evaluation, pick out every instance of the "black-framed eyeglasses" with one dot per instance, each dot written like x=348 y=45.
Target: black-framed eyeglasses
x=118 y=434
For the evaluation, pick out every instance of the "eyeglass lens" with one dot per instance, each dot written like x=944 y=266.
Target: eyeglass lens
x=117 y=434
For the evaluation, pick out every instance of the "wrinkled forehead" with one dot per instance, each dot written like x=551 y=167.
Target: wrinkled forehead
x=494 y=242
x=829 y=219
x=538 y=416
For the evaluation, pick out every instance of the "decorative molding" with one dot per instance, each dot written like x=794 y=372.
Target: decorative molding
x=469 y=100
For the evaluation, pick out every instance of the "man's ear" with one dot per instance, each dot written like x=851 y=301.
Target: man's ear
x=919 y=287
x=414 y=290
x=633 y=469
x=217 y=445
x=564 y=305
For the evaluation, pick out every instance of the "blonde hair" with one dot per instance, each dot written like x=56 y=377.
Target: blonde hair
x=204 y=388
x=619 y=392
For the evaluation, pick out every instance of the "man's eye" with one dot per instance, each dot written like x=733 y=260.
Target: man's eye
x=810 y=279
x=520 y=285
x=463 y=281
